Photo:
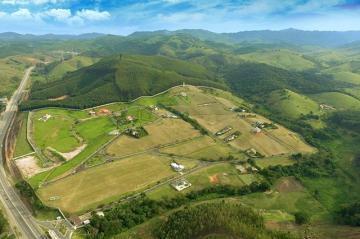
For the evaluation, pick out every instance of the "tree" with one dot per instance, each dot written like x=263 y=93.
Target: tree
x=301 y=218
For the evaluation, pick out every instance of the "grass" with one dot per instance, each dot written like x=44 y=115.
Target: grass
x=83 y=190
x=292 y=105
x=223 y=173
x=57 y=132
x=70 y=65
x=287 y=196
x=338 y=100
x=161 y=132
x=95 y=132
x=280 y=58
x=272 y=161
x=12 y=72
x=22 y=145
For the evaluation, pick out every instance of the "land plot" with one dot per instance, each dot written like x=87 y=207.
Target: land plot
x=160 y=133
x=203 y=147
x=57 y=131
x=22 y=145
x=105 y=183
x=96 y=132
x=273 y=161
x=224 y=173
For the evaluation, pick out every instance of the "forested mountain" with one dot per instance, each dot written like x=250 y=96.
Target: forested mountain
x=120 y=78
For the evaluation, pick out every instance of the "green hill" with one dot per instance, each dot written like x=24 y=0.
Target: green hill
x=119 y=78
x=281 y=58
x=59 y=69
x=291 y=104
x=338 y=100
x=254 y=81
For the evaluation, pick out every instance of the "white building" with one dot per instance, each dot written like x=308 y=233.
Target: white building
x=177 y=167
x=180 y=184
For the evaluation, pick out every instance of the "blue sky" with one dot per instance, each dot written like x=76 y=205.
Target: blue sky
x=126 y=16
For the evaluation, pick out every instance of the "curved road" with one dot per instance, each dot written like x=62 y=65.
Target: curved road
x=17 y=212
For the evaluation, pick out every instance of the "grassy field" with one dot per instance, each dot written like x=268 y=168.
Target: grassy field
x=292 y=105
x=280 y=58
x=202 y=148
x=95 y=132
x=57 y=132
x=338 y=100
x=289 y=196
x=161 y=132
x=22 y=145
x=222 y=173
x=84 y=190
x=276 y=160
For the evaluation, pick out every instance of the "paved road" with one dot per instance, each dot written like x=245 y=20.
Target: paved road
x=16 y=210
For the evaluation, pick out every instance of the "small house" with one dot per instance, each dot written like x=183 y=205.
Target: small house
x=92 y=113
x=241 y=169
x=256 y=130
x=45 y=117
x=130 y=118
x=183 y=94
x=100 y=214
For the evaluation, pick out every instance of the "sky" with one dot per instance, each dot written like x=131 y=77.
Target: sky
x=123 y=17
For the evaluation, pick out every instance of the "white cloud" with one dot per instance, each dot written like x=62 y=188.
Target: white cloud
x=59 y=14
x=22 y=13
x=3 y=14
x=93 y=15
x=26 y=2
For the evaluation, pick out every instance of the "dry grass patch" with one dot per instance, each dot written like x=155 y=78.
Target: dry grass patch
x=105 y=183
x=161 y=133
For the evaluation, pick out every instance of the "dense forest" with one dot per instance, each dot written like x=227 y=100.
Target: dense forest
x=230 y=219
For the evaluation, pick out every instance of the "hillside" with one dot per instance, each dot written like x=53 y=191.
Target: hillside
x=253 y=80
x=291 y=104
x=119 y=78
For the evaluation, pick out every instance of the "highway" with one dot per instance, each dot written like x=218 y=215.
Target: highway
x=19 y=216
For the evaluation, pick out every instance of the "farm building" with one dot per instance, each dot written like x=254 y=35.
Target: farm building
x=169 y=115
x=154 y=107
x=104 y=111
x=256 y=130
x=177 y=167
x=130 y=118
x=114 y=132
x=241 y=168
x=92 y=113
x=100 y=214
x=45 y=117
x=180 y=184
x=183 y=94
x=232 y=137
x=133 y=132
x=223 y=131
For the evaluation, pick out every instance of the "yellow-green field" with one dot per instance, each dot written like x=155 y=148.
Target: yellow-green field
x=105 y=183
x=161 y=132
x=338 y=100
x=214 y=115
